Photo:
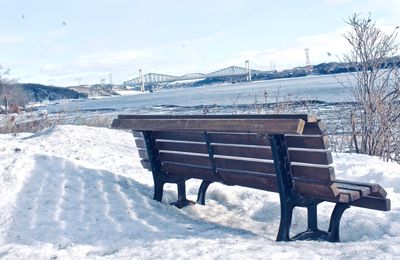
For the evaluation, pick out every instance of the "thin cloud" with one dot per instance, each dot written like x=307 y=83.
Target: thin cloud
x=11 y=39
x=283 y=58
x=57 y=33
x=337 y=2
x=110 y=58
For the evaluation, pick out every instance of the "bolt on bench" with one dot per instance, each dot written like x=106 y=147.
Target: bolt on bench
x=278 y=153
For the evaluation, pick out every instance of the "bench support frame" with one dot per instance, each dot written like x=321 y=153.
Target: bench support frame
x=289 y=199
x=155 y=164
x=201 y=196
x=161 y=178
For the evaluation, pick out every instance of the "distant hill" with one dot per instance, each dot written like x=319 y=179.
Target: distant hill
x=95 y=90
x=38 y=92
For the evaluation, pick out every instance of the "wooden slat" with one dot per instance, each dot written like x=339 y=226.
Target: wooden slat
x=258 y=152
x=304 y=117
x=244 y=165
x=343 y=198
x=311 y=142
x=313 y=189
x=370 y=202
x=137 y=134
x=296 y=141
x=314 y=128
x=239 y=138
x=143 y=153
x=188 y=171
x=313 y=172
x=272 y=126
x=185 y=158
x=181 y=136
x=376 y=189
x=146 y=164
x=381 y=193
x=304 y=171
x=323 y=157
x=140 y=143
x=353 y=194
x=362 y=190
x=249 y=179
x=182 y=147
x=309 y=156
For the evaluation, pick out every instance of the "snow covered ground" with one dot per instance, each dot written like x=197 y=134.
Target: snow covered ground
x=129 y=92
x=74 y=192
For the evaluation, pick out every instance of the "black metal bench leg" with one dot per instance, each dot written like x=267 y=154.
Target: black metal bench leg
x=158 y=190
x=335 y=221
x=201 y=196
x=284 y=182
x=312 y=221
x=182 y=201
x=181 y=190
x=312 y=232
x=286 y=221
x=155 y=164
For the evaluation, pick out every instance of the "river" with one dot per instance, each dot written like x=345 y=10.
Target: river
x=317 y=92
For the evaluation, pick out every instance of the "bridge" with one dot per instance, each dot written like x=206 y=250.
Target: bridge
x=154 y=78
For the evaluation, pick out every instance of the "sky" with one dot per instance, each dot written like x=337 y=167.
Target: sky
x=75 y=42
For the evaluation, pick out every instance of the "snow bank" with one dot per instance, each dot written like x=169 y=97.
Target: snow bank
x=78 y=192
x=129 y=92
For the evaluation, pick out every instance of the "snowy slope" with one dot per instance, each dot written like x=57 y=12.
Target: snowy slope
x=75 y=192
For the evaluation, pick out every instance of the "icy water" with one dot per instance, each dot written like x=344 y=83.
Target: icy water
x=317 y=91
x=323 y=96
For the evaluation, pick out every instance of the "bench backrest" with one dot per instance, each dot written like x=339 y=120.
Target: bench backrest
x=235 y=150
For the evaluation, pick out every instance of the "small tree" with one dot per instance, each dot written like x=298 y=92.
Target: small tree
x=10 y=92
x=4 y=87
x=375 y=121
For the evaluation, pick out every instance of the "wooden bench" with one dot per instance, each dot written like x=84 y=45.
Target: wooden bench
x=278 y=153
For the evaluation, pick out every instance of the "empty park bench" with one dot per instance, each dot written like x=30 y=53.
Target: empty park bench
x=278 y=153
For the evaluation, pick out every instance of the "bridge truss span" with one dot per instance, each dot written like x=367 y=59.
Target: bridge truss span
x=154 y=78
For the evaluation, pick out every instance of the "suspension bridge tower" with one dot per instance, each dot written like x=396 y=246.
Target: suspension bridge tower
x=247 y=66
x=141 y=80
x=308 y=64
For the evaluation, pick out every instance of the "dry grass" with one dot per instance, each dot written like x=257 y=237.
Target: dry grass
x=32 y=123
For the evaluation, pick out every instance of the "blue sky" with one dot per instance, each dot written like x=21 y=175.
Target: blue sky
x=83 y=41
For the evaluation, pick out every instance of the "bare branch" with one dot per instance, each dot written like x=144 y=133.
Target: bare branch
x=377 y=86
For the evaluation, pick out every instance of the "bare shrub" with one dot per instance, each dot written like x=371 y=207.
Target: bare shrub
x=10 y=92
x=10 y=124
x=35 y=121
x=281 y=104
x=375 y=121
